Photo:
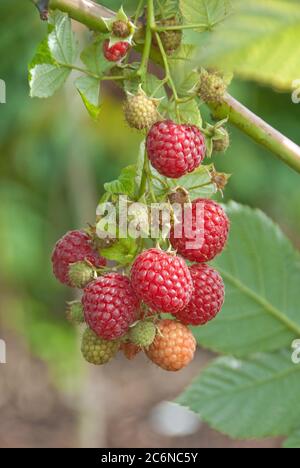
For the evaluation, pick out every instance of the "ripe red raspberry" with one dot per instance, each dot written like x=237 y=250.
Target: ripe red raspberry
x=207 y=298
x=174 y=346
x=110 y=306
x=116 y=52
x=162 y=280
x=175 y=150
x=208 y=233
x=74 y=247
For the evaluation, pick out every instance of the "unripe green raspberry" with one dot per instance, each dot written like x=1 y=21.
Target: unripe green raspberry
x=97 y=351
x=220 y=145
x=121 y=29
x=74 y=313
x=80 y=274
x=212 y=87
x=140 y=111
x=171 y=40
x=142 y=334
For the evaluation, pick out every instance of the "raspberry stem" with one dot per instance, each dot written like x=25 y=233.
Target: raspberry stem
x=168 y=76
x=179 y=27
x=142 y=71
x=138 y=12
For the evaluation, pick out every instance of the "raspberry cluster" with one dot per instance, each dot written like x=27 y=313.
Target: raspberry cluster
x=123 y=304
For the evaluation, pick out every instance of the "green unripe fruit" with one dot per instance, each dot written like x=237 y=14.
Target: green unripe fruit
x=220 y=145
x=141 y=111
x=75 y=313
x=97 y=351
x=80 y=274
x=212 y=87
x=171 y=40
x=142 y=334
x=121 y=29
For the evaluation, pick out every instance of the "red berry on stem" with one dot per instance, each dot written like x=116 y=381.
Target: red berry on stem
x=110 y=306
x=116 y=52
x=175 y=150
x=206 y=236
x=207 y=299
x=74 y=247
x=162 y=280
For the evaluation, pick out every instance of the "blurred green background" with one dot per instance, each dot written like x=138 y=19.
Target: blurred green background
x=54 y=161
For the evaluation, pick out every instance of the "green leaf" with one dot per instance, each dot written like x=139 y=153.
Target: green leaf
x=92 y=56
x=150 y=85
x=167 y=8
x=192 y=182
x=293 y=441
x=183 y=69
x=46 y=79
x=206 y=12
x=61 y=40
x=125 y=184
x=189 y=112
x=261 y=270
x=89 y=89
x=42 y=55
x=260 y=41
x=122 y=252
x=255 y=397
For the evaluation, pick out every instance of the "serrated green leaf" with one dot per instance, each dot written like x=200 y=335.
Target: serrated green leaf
x=293 y=441
x=93 y=58
x=260 y=41
x=125 y=184
x=122 y=252
x=183 y=69
x=61 y=40
x=189 y=112
x=254 y=397
x=261 y=270
x=206 y=12
x=46 y=79
x=198 y=183
x=167 y=8
x=89 y=89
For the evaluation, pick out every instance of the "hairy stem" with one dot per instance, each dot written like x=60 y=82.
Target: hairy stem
x=260 y=131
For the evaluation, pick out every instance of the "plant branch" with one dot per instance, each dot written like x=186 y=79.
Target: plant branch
x=258 y=130
x=179 y=27
x=90 y=13
x=84 y=11
x=148 y=40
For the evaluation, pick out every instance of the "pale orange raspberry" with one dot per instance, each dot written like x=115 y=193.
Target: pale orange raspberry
x=174 y=346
